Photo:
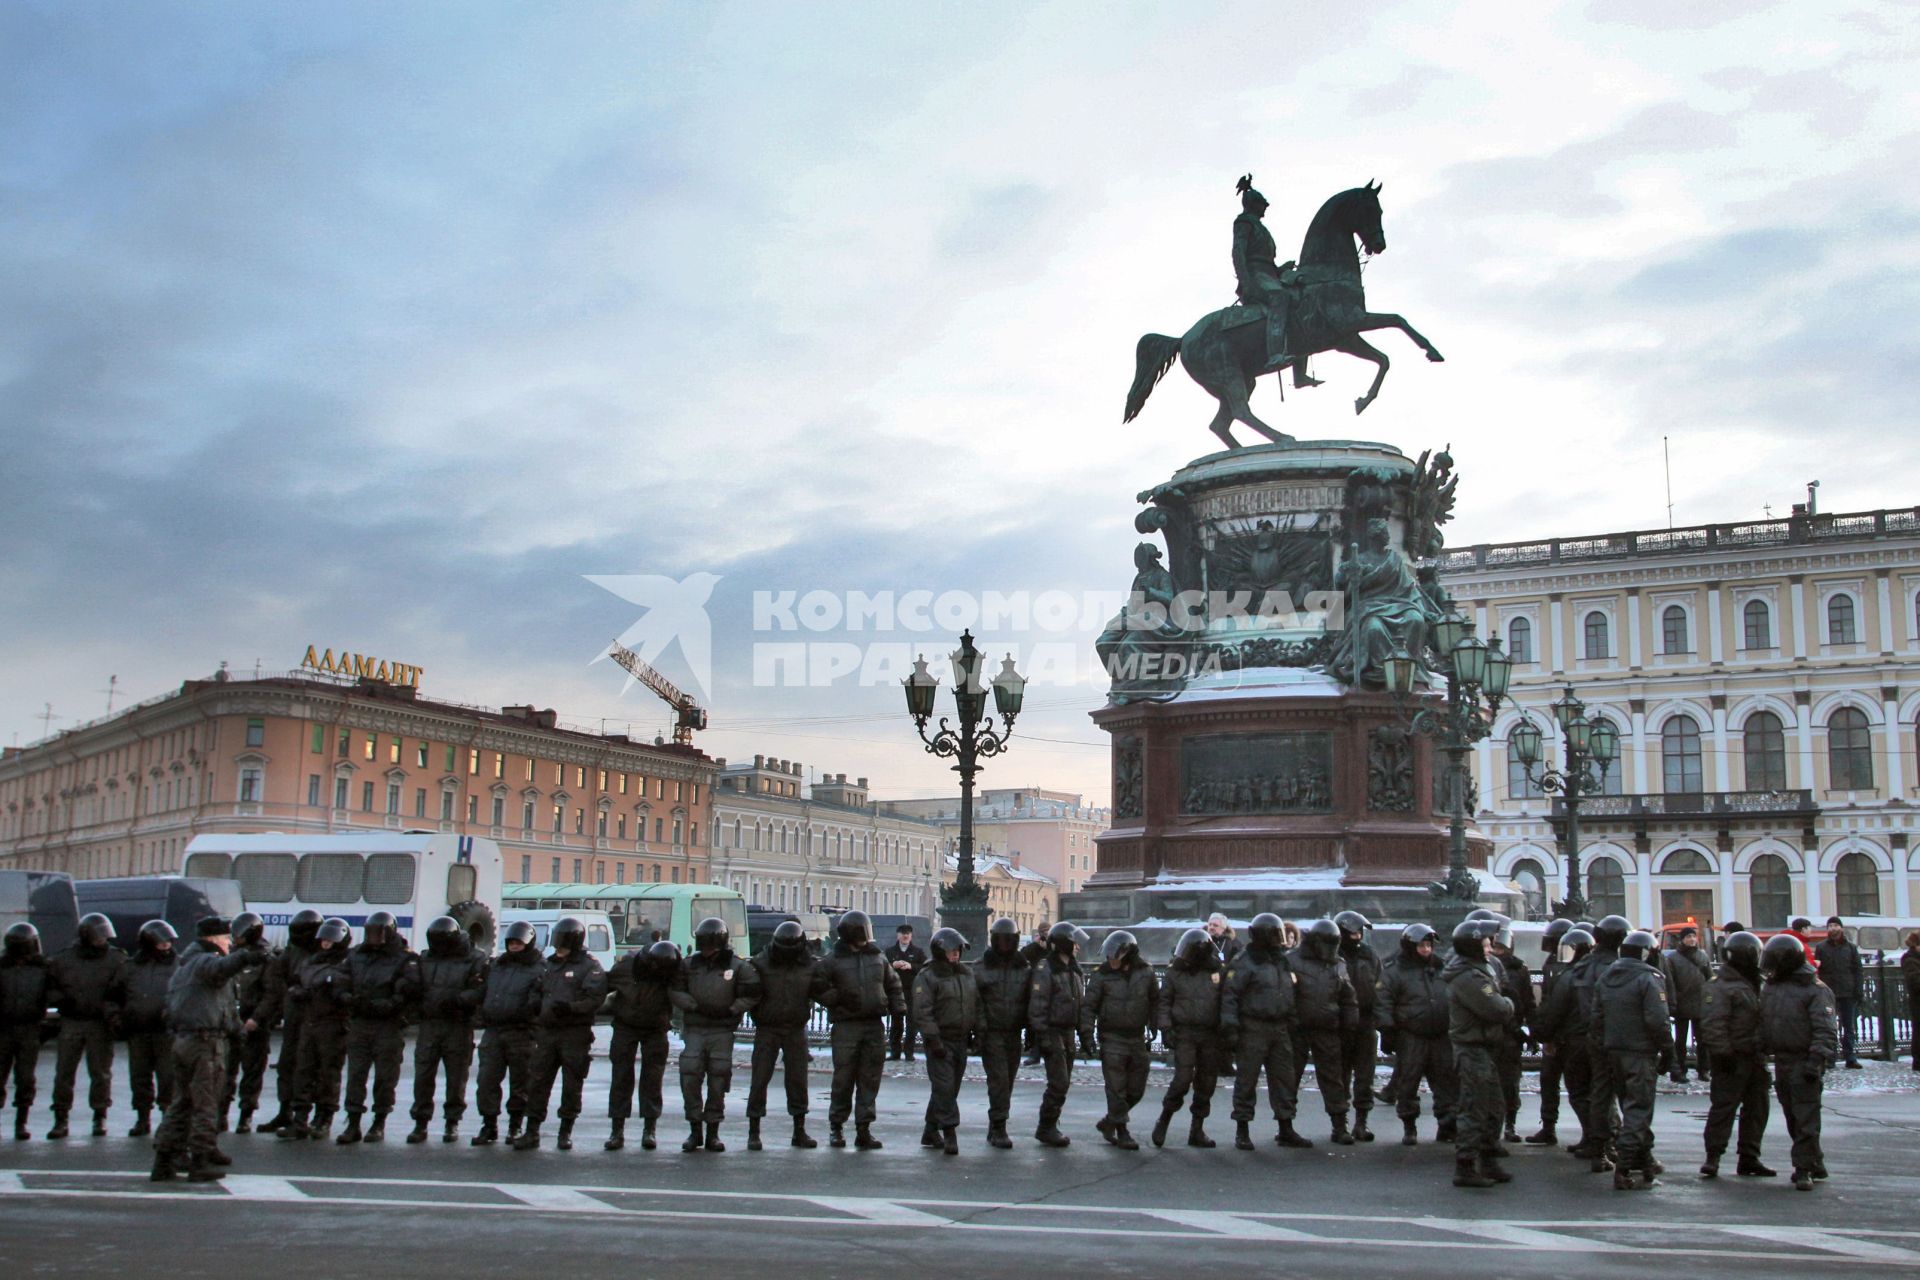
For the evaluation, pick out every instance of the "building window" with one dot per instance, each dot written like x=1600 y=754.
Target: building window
x=676 y=830
x=1686 y=862
x=1520 y=640
x=393 y=798
x=623 y=784
x=313 y=790
x=1680 y=756
x=368 y=747
x=1756 y=626
x=675 y=875
x=499 y=764
x=1520 y=784
x=499 y=811
x=346 y=743
x=526 y=867
x=446 y=806
x=559 y=819
x=579 y=822
x=1771 y=887
x=619 y=873
x=1595 y=628
x=339 y=793
x=599 y=872
x=1856 y=886
x=529 y=769
x=576 y=872
x=420 y=756
x=473 y=761
x=451 y=757
x=366 y=796
x=659 y=830
x=621 y=827
x=393 y=751
x=249 y=785
x=1764 y=743
x=1606 y=887
x=1849 y=750
x=1533 y=886
x=1673 y=630
x=526 y=816
x=600 y=826
x=555 y=877
x=420 y=802
x=473 y=807
x=1841 y=628
x=656 y=873
x=319 y=739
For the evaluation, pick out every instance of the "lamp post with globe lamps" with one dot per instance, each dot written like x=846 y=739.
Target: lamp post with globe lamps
x=1589 y=748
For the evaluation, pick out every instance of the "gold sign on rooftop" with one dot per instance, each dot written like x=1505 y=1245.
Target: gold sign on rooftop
x=346 y=663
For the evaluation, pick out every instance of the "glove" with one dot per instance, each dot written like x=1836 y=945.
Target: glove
x=1087 y=1048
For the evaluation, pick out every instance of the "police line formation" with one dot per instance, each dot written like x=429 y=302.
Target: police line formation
x=197 y=1026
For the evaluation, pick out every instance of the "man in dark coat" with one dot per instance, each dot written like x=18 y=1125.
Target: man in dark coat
x=144 y=1019
x=1257 y=1016
x=277 y=981
x=1360 y=1047
x=572 y=987
x=713 y=990
x=1325 y=1010
x=787 y=982
x=203 y=1015
x=509 y=1004
x=1603 y=1112
x=1190 y=1025
x=1551 y=1064
x=1120 y=1014
x=384 y=975
x=1800 y=1028
x=1561 y=1030
x=1002 y=976
x=1841 y=968
x=1057 y=987
x=946 y=1009
x=1516 y=984
x=1910 y=974
x=1730 y=1031
x=1413 y=1015
x=859 y=990
x=23 y=1007
x=1637 y=1029
x=1688 y=973
x=87 y=983
x=907 y=959
x=451 y=976
x=1033 y=952
x=322 y=992
x=642 y=1007
x=253 y=1043
x=1477 y=1018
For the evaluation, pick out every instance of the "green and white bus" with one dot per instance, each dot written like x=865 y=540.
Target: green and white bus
x=636 y=910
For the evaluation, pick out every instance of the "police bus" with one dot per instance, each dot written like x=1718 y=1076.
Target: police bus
x=415 y=876
x=637 y=911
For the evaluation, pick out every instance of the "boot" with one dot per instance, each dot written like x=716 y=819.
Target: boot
x=1490 y=1167
x=648 y=1141
x=452 y=1133
x=1288 y=1136
x=1651 y=1166
x=201 y=1171
x=142 y=1126
x=489 y=1132
x=1819 y=1172
x=863 y=1138
x=275 y=1124
x=164 y=1169
x=1752 y=1168
x=351 y=1134
x=516 y=1120
x=59 y=1129
x=1341 y=1138
x=696 y=1140
x=753 y=1133
x=377 y=1131
x=1466 y=1173
x=801 y=1138
x=1125 y=1140
x=1360 y=1131
x=1510 y=1136
x=929 y=1136
x=950 y=1140
x=1545 y=1138
x=997 y=1135
x=1197 y=1134
x=529 y=1139
x=20 y=1131
x=322 y=1126
x=216 y=1156
x=1242 y=1139
x=617 y=1139
x=246 y=1123
x=1160 y=1126
x=1803 y=1179
x=295 y=1128
x=837 y=1137
x=713 y=1139
x=1622 y=1178
x=564 y=1139
x=1409 y=1133
x=1710 y=1168
x=1106 y=1129
x=1447 y=1130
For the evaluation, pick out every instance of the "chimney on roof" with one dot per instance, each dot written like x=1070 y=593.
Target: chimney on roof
x=759 y=762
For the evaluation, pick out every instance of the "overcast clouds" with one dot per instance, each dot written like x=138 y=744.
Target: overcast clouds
x=380 y=325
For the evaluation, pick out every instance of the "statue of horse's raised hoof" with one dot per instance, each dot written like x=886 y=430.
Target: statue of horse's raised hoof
x=1435 y=356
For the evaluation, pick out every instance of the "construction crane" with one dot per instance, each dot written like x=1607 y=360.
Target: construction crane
x=688 y=715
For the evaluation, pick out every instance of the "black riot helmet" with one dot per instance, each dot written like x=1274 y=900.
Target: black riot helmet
x=1003 y=936
x=443 y=936
x=710 y=936
x=1197 y=949
x=1065 y=938
x=154 y=932
x=1637 y=945
x=570 y=933
x=248 y=929
x=1743 y=953
x=1783 y=956
x=1574 y=945
x=1352 y=925
x=1412 y=936
x=1504 y=933
x=95 y=930
x=334 y=930
x=789 y=939
x=664 y=956
x=380 y=929
x=1611 y=932
x=23 y=940
x=1470 y=937
x=854 y=929
x=518 y=931
x=304 y=925
x=1556 y=930
x=1264 y=929
x=1119 y=946
x=1321 y=938
x=946 y=940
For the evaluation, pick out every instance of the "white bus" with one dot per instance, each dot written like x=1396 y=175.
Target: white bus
x=414 y=875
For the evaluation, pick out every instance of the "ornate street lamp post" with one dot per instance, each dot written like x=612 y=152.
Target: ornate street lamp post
x=1477 y=674
x=963 y=904
x=1590 y=747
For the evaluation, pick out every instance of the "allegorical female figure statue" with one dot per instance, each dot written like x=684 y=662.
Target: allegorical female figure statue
x=1386 y=609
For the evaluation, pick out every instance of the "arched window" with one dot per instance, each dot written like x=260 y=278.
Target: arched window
x=1520 y=640
x=1686 y=862
x=1841 y=628
x=1533 y=886
x=1673 y=630
x=1756 y=626
x=1595 y=628
x=1520 y=785
x=1765 y=747
x=1849 y=750
x=1680 y=756
x=1611 y=771
x=1606 y=888
x=1856 y=886
x=1771 y=887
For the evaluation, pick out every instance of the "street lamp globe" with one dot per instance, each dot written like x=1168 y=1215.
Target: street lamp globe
x=1449 y=631
x=1603 y=740
x=1470 y=661
x=1579 y=733
x=920 y=687
x=1400 y=667
x=1567 y=708
x=1009 y=690
x=1524 y=742
x=1499 y=670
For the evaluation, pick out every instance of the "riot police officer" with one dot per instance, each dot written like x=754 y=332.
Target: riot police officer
x=1326 y=1010
x=786 y=975
x=509 y=1004
x=452 y=977
x=1359 y=1046
x=1058 y=987
x=278 y=979
x=1637 y=1027
x=572 y=987
x=1477 y=1016
x=1563 y=1038
x=87 y=983
x=642 y=1010
x=1603 y=1113
x=1800 y=1026
x=1551 y=971
x=859 y=990
x=1729 y=1037
x=946 y=1013
x=203 y=1015
x=383 y=975
x=23 y=1006
x=323 y=992
x=1413 y=1014
x=1120 y=1014
x=1257 y=1017
x=1002 y=976
x=713 y=991
x=252 y=1043
x=1190 y=1025
x=144 y=1019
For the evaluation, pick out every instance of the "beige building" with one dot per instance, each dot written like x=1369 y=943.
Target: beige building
x=1018 y=892
x=1764 y=678
x=1052 y=831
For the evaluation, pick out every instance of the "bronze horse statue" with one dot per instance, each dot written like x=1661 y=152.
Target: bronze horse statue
x=1226 y=350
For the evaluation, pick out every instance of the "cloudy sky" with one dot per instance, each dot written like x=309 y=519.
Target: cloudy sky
x=381 y=326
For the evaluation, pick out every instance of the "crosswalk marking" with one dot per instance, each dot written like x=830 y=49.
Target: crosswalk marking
x=1514 y=1233
x=253 y=1186
x=1232 y=1224
x=888 y=1212
x=561 y=1199
x=1851 y=1246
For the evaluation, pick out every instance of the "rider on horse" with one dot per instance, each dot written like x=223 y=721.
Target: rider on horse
x=1259 y=279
